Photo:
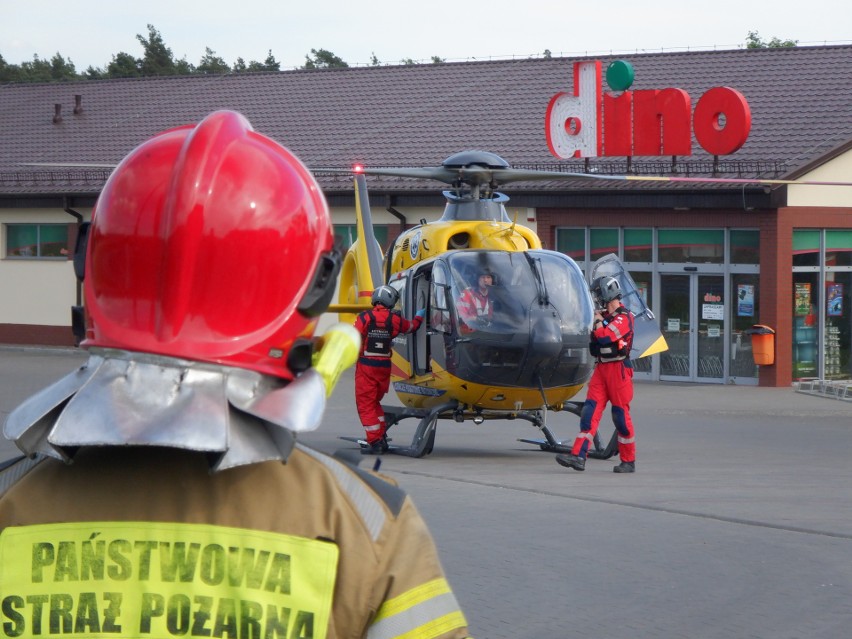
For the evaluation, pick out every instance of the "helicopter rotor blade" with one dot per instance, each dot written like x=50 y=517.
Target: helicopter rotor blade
x=72 y=165
x=438 y=173
x=479 y=175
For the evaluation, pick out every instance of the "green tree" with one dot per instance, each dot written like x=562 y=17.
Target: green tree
x=408 y=62
x=437 y=60
x=754 y=41
x=157 y=58
x=270 y=64
x=374 y=61
x=36 y=71
x=212 y=63
x=323 y=60
x=184 y=67
x=547 y=54
x=94 y=73
x=124 y=65
x=62 y=69
x=8 y=72
x=239 y=66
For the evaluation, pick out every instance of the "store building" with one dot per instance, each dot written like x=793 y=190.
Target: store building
x=713 y=259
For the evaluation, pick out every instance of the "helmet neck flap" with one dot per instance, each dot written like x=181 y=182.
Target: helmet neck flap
x=122 y=398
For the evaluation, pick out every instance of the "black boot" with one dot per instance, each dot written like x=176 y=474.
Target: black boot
x=571 y=461
x=625 y=467
x=377 y=448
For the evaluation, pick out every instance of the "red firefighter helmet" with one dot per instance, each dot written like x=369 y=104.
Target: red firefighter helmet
x=211 y=243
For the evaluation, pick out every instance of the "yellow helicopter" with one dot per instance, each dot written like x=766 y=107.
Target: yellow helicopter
x=522 y=352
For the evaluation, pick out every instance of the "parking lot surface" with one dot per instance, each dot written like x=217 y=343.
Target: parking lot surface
x=737 y=523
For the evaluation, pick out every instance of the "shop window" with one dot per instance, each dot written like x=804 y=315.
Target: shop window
x=37 y=241
x=696 y=246
x=806 y=303
x=838 y=248
x=643 y=281
x=602 y=242
x=348 y=233
x=638 y=245
x=745 y=247
x=572 y=242
x=744 y=313
x=838 y=325
x=806 y=247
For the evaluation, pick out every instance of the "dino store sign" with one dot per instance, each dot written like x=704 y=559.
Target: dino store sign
x=648 y=122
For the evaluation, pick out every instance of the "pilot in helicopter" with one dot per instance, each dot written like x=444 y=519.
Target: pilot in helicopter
x=474 y=305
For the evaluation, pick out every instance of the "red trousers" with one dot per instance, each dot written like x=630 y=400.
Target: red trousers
x=371 y=385
x=611 y=382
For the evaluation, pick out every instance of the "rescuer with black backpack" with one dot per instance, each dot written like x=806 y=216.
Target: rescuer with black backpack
x=378 y=327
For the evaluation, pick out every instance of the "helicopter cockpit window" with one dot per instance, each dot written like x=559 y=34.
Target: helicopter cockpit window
x=399 y=285
x=497 y=292
x=440 y=318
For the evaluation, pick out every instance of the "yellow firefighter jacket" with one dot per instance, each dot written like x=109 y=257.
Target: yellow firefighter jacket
x=146 y=542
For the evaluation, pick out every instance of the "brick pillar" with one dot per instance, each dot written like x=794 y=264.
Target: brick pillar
x=776 y=292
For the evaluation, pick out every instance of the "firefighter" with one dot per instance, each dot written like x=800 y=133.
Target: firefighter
x=612 y=381
x=163 y=491
x=378 y=327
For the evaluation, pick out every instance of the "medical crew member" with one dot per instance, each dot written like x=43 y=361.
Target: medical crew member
x=164 y=493
x=474 y=305
x=612 y=381
x=378 y=327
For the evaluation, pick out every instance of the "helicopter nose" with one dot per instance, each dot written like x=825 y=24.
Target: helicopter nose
x=546 y=336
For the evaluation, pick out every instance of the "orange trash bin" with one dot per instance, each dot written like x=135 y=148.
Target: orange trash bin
x=762 y=344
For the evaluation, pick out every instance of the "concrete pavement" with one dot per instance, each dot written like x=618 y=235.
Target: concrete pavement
x=737 y=523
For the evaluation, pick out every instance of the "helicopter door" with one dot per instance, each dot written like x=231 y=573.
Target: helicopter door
x=420 y=296
x=647 y=337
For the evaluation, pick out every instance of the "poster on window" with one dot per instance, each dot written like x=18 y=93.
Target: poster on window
x=802 y=301
x=834 y=299
x=745 y=300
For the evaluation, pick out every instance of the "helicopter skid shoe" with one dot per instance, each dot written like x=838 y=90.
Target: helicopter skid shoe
x=550 y=447
x=549 y=443
x=605 y=453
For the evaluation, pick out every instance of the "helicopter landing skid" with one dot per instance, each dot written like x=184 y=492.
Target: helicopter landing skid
x=550 y=443
x=605 y=453
x=424 y=437
x=598 y=452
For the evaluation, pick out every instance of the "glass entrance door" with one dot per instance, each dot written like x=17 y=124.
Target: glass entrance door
x=693 y=320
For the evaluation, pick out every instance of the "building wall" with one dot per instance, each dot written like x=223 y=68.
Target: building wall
x=37 y=294
x=776 y=267
x=838 y=169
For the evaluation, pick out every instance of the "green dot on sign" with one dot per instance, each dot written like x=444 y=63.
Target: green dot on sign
x=619 y=75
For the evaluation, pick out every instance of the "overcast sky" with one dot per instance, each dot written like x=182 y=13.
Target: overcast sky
x=90 y=32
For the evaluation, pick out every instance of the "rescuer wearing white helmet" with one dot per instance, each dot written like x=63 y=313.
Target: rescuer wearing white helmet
x=612 y=381
x=163 y=492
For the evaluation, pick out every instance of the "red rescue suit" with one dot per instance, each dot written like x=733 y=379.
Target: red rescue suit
x=378 y=327
x=611 y=382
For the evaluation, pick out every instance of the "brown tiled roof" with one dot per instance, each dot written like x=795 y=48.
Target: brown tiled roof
x=413 y=115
